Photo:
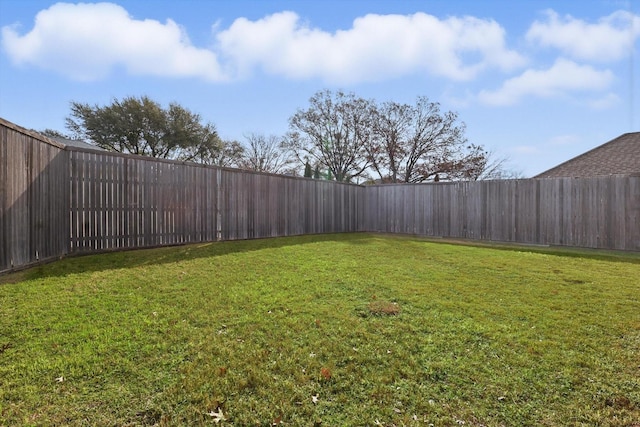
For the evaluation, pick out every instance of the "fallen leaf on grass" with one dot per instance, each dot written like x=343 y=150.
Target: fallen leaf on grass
x=326 y=373
x=314 y=399
x=217 y=416
x=60 y=379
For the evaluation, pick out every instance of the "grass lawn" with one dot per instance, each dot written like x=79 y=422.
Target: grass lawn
x=329 y=330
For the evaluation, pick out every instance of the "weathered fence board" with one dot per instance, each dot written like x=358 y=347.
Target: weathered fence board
x=258 y=205
x=34 y=196
x=121 y=201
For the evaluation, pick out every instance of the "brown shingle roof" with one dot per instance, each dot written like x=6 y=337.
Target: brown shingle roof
x=620 y=156
x=76 y=143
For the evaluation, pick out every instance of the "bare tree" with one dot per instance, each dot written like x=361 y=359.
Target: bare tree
x=352 y=137
x=333 y=132
x=495 y=167
x=265 y=154
x=387 y=148
x=415 y=143
x=229 y=154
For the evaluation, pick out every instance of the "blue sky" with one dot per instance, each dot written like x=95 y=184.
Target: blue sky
x=538 y=81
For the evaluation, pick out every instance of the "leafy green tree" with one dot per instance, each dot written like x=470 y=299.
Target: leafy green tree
x=142 y=126
x=54 y=134
x=316 y=173
x=307 y=170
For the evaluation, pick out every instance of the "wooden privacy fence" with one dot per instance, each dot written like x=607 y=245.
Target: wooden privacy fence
x=600 y=212
x=34 y=198
x=57 y=200
x=122 y=201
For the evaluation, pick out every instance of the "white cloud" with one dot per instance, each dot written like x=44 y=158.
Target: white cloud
x=86 y=41
x=562 y=78
x=610 y=39
x=568 y=139
x=605 y=102
x=524 y=149
x=377 y=47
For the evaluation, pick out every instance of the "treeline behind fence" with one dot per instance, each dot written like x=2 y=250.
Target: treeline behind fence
x=57 y=200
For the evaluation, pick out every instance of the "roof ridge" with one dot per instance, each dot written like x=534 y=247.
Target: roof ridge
x=593 y=162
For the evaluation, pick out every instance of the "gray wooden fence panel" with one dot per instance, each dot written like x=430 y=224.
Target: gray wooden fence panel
x=120 y=202
x=599 y=212
x=551 y=219
x=474 y=208
x=525 y=211
x=33 y=198
x=440 y=210
x=257 y=205
x=630 y=215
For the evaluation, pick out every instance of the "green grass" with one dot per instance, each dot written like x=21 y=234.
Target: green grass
x=352 y=329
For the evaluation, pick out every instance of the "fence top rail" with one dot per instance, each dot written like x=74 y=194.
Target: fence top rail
x=31 y=133
x=416 y=184
x=193 y=164
x=564 y=178
x=440 y=183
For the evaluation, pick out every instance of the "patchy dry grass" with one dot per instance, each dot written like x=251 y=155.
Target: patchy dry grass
x=287 y=331
x=384 y=308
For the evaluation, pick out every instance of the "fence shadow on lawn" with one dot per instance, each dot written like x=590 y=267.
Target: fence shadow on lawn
x=608 y=255
x=133 y=258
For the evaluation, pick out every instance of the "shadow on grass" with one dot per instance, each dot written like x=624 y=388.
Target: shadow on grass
x=131 y=258
x=563 y=251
